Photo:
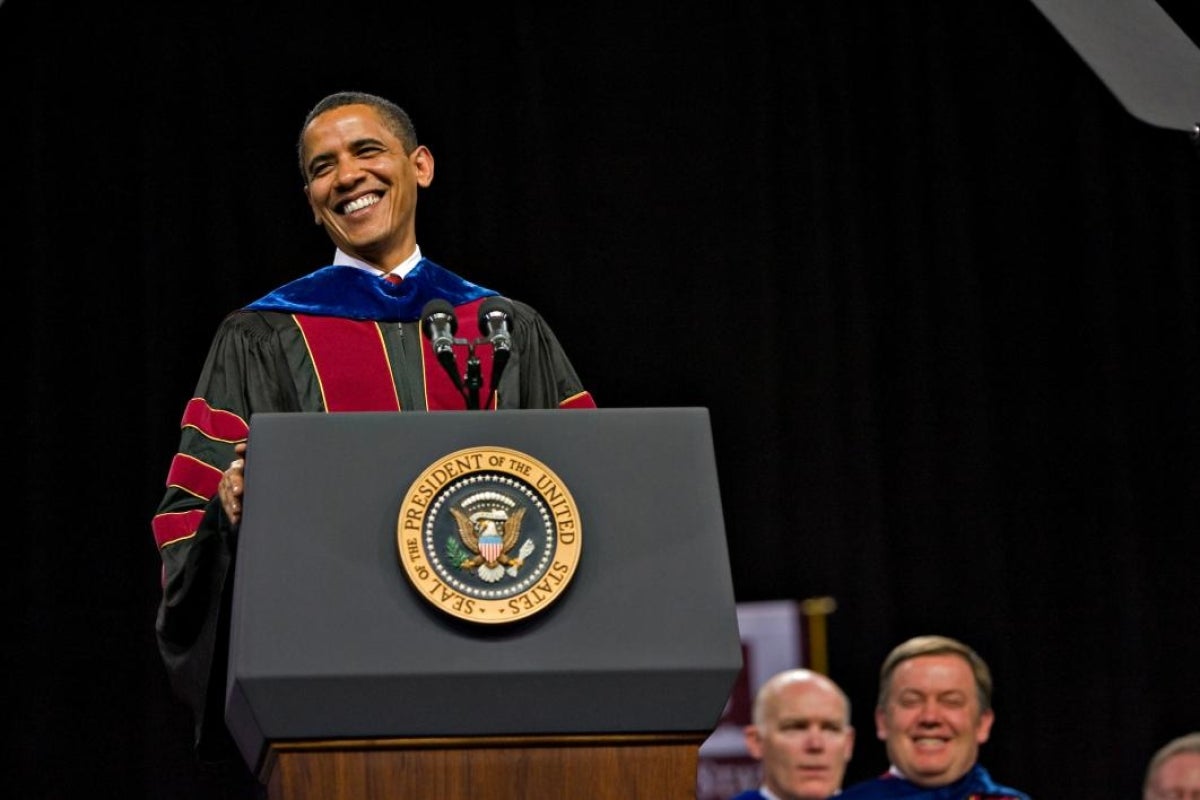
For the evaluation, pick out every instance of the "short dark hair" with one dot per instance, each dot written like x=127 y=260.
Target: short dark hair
x=936 y=646
x=395 y=117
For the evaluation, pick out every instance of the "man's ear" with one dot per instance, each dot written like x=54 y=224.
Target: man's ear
x=422 y=161
x=985 y=726
x=881 y=724
x=753 y=741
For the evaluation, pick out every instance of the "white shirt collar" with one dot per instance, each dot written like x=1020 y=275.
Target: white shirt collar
x=402 y=269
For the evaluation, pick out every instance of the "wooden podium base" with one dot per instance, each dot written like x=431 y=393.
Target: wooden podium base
x=612 y=767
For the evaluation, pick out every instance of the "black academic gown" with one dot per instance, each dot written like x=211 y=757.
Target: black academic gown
x=339 y=339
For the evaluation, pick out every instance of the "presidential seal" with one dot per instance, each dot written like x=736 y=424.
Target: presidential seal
x=489 y=535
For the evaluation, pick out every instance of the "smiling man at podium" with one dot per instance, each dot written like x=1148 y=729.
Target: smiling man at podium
x=381 y=329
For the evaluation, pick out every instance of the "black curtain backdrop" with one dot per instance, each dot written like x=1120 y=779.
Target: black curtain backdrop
x=937 y=288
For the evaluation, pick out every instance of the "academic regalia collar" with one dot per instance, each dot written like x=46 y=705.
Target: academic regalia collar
x=344 y=291
x=976 y=783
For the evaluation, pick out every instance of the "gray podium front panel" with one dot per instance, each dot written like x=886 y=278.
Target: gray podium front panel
x=329 y=640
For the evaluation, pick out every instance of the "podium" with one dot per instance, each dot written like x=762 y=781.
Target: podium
x=347 y=679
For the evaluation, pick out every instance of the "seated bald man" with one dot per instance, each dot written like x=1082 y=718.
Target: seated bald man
x=801 y=733
x=1174 y=771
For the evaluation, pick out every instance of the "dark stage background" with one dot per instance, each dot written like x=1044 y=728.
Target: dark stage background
x=936 y=286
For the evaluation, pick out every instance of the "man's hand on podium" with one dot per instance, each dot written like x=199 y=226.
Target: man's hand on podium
x=233 y=484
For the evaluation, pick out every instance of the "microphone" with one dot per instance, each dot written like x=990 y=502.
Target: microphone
x=439 y=325
x=495 y=315
x=495 y=322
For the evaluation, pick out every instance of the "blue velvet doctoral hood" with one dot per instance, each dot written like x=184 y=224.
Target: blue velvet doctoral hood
x=353 y=293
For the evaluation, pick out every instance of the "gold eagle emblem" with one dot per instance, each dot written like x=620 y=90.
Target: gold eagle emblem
x=480 y=532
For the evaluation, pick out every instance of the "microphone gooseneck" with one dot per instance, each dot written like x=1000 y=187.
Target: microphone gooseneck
x=495 y=323
x=439 y=325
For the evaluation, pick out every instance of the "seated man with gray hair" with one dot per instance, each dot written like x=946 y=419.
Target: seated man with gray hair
x=1174 y=771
